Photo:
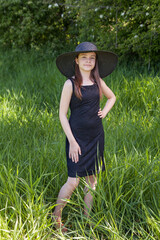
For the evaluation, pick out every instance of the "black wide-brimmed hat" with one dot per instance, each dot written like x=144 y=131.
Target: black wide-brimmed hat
x=107 y=61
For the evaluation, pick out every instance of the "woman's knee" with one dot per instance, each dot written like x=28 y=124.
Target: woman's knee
x=91 y=181
x=73 y=182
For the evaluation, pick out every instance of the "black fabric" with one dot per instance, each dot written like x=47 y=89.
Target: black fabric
x=88 y=131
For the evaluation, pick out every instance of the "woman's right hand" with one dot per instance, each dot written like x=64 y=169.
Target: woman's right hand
x=74 y=151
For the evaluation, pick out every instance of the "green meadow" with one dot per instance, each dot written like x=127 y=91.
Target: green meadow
x=32 y=155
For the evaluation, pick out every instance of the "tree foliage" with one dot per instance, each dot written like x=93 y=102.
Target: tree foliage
x=130 y=28
x=32 y=24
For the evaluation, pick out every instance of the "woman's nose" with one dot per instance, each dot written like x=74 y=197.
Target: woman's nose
x=88 y=59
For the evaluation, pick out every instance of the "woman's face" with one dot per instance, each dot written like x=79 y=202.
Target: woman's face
x=86 y=61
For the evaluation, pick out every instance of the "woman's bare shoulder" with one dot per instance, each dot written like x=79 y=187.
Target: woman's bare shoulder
x=67 y=87
x=102 y=82
x=68 y=83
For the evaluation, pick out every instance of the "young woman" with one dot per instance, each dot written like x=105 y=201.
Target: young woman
x=84 y=68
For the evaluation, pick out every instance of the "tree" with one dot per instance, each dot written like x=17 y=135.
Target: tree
x=129 y=28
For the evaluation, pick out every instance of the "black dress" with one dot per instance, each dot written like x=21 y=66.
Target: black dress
x=87 y=129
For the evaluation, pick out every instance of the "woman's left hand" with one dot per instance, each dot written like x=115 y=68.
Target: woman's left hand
x=101 y=114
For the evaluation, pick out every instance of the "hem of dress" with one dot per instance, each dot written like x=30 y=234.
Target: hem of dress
x=85 y=174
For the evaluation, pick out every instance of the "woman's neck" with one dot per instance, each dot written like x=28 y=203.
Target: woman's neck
x=86 y=78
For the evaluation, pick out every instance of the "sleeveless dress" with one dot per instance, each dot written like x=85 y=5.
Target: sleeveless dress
x=88 y=131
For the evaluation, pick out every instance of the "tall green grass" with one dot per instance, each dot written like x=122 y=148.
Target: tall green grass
x=32 y=155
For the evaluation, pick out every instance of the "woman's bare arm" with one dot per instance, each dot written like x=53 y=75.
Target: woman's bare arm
x=67 y=91
x=110 y=102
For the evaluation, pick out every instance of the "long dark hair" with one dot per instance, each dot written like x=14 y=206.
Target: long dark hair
x=94 y=75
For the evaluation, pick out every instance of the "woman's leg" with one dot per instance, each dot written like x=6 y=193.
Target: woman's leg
x=88 y=199
x=65 y=193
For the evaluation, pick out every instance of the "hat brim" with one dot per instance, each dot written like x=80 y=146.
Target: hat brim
x=107 y=62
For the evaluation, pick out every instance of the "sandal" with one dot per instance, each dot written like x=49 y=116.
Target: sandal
x=59 y=225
